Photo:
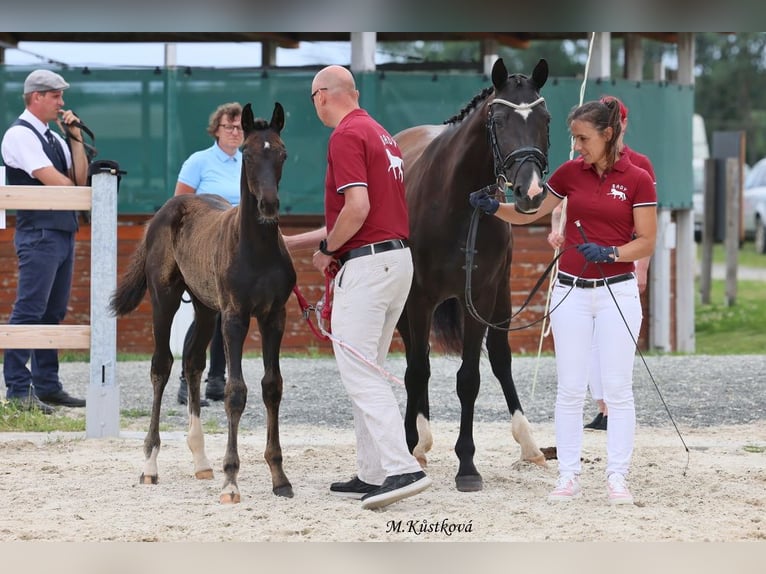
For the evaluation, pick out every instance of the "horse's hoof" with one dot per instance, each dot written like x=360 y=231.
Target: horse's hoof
x=206 y=474
x=231 y=497
x=473 y=483
x=422 y=461
x=148 y=479
x=539 y=460
x=549 y=452
x=285 y=491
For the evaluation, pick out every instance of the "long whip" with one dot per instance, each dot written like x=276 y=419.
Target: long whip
x=545 y=329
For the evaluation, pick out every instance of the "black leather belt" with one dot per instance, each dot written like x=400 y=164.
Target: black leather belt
x=590 y=283
x=372 y=249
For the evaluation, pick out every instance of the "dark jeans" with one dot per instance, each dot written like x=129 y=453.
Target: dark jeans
x=46 y=263
x=217 y=355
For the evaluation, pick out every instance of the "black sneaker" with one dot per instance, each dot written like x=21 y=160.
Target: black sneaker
x=61 y=398
x=598 y=423
x=183 y=393
x=215 y=387
x=354 y=488
x=396 y=488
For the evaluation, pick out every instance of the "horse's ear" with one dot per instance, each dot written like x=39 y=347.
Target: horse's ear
x=278 y=118
x=248 y=124
x=499 y=74
x=540 y=73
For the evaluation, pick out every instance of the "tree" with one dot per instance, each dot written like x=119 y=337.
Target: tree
x=730 y=90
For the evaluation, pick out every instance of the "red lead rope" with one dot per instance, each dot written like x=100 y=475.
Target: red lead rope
x=323 y=307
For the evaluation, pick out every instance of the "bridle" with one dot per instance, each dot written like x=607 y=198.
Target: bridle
x=518 y=156
x=502 y=163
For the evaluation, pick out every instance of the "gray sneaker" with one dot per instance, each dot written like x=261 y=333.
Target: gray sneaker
x=31 y=403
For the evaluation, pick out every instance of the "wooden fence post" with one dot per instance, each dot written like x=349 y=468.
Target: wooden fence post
x=102 y=416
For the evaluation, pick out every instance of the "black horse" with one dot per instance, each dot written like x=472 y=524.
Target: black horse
x=232 y=260
x=499 y=140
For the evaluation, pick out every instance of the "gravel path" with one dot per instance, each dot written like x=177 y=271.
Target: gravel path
x=699 y=391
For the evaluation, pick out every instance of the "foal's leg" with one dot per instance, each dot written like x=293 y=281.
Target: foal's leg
x=194 y=353
x=234 y=328
x=163 y=311
x=500 y=359
x=415 y=326
x=272 y=327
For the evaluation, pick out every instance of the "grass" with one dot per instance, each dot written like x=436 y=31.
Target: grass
x=741 y=328
x=13 y=419
x=736 y=330
x=747 y=255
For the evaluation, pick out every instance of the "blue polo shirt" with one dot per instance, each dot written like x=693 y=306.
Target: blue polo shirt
x=212 y=170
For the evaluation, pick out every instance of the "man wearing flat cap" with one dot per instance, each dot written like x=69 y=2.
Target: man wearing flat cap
x=44 y=239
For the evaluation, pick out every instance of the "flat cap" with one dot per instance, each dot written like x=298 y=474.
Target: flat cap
x=44 y=81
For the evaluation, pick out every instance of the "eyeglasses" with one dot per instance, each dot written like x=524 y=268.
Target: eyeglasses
x=316 y=92
x=230 y=129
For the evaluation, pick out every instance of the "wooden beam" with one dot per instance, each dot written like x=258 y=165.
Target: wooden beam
x=45 y=197
x=45 y=336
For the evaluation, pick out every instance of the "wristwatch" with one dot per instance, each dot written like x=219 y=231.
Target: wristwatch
x=323 y=248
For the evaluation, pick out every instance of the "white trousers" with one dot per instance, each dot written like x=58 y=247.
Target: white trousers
x=370 y=293
x=585 y=318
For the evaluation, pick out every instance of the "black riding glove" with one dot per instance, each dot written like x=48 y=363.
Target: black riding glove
x=483 y=201
x=596 y=253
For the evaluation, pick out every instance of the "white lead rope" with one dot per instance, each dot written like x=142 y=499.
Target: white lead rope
x=546 y=329
x=355 y=352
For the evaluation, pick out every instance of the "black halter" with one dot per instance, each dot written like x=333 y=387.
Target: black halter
x=517 y=157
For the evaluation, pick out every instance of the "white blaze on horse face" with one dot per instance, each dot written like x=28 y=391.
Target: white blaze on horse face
x=535 y=188
x=266 y=145
x=523 y=110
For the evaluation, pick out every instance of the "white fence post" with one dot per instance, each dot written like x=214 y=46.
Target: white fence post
x=102 y=417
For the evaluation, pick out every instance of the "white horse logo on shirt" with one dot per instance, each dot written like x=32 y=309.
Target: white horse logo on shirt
x=617 y=194
x=395 y=163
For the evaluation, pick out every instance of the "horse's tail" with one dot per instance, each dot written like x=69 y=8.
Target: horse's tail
x=132 y=287
x=448 y=326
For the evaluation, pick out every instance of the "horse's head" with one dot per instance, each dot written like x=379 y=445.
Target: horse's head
x=263 y=155
x=517 y=124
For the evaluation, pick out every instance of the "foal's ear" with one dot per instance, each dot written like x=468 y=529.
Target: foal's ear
x=248 y=124
x=540 y=73
x=499 y=74
x=278 y=118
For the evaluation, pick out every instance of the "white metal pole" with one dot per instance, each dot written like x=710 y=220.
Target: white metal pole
x=102 y=416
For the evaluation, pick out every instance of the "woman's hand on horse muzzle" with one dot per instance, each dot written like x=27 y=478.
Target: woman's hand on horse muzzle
x=482 y=200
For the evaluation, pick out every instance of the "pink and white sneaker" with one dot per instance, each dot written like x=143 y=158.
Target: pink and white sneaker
x=617 y=489
x=567 y=488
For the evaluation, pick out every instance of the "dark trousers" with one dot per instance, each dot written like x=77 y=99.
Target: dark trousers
x=46 y=263
x=217 y=355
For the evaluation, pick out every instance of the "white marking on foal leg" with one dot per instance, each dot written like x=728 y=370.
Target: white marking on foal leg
x=425 y=441
x=196 y=441
x=522 y=434
x=150 y=474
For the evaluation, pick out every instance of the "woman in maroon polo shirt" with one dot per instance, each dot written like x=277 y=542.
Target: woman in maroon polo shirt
x=608 y=198
x=556 y=240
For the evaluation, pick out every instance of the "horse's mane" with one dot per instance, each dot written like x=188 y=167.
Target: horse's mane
x=260 y=124
x=480 y=97
x=473 y=104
